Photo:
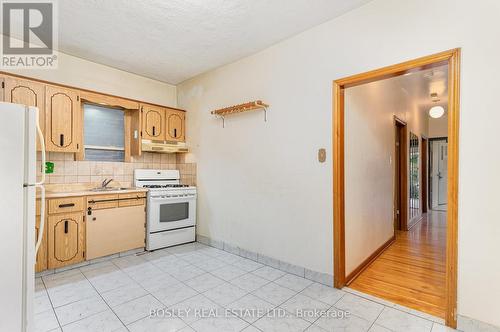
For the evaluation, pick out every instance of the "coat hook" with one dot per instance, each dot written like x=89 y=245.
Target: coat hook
x=250 y=106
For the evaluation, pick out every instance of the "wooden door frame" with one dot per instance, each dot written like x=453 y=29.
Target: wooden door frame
x=452 y=59
x=403 y=174
x=424 y=173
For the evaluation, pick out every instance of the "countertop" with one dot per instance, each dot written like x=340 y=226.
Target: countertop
x=87 y=192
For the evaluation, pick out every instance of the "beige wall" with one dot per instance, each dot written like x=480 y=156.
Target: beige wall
x=369 y=163
x=260 y=185
x=85 y=74
x=438 y=127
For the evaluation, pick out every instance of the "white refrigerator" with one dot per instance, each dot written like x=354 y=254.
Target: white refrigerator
x=19 y=132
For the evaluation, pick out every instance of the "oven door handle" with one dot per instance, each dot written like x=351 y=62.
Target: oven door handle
x=172 y=199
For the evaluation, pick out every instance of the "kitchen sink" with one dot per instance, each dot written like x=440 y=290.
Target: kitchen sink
x=109 y=189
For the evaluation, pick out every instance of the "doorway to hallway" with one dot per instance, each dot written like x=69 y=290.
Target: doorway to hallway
x=410 y=270
x=343 y=231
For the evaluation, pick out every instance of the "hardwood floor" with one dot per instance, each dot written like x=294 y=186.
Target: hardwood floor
x=411 y=272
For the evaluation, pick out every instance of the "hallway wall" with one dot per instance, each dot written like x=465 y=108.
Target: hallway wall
x=369 y=163
x=438 y=127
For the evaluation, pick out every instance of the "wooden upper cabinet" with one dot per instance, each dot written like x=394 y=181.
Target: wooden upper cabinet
x=2 y=82
x=61 y=115
x=29 y=93
x=176 y=125
x=63 y=119
x=153 y=122
x=24 y=92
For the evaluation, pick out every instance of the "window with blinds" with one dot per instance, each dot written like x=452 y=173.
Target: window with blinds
x=103 y=133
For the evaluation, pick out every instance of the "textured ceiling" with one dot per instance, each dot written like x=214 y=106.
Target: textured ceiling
x=174 y=40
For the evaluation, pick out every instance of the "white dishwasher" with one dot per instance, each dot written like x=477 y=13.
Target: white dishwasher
x=110 y=231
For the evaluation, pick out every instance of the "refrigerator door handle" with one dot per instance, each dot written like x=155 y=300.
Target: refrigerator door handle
x=40 y=184
x=42 y=218
x=42 y=147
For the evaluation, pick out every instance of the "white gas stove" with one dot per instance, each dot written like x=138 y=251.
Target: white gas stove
x=171 y=208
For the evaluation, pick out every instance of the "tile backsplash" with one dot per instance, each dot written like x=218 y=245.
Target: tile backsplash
x=69 y=171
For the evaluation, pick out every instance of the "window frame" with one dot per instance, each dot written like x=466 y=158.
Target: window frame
x=104 y=147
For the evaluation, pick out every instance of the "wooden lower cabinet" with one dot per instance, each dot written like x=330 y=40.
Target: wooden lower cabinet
x=70 y=238
x=66 y=239
x=41 y=256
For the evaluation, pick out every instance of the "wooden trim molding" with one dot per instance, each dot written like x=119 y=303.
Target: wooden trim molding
x=422 y=63
x=452 y=214
x=109 y=101
x=403 y=173
x=357 y=271
x=452 y=59
x=338 y=187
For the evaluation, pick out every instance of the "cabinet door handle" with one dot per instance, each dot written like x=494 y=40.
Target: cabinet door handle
x=154 y=131
x=66 y=205
x=175 y=132
x=61 y=139
x=65 y=227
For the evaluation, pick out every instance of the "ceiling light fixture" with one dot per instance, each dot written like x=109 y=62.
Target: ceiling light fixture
x=434 y=97
x=436 y=112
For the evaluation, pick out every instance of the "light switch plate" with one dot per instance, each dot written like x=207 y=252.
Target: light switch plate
x=321 y=155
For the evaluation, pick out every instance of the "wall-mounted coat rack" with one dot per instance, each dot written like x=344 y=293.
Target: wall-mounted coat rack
x=250 y=106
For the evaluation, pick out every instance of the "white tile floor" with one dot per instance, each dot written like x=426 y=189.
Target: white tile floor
x=234 y=293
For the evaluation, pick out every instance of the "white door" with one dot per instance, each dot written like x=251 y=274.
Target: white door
x=442 y=175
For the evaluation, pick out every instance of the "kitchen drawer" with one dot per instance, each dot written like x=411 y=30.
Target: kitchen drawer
x=132 y=199
x=64 y=205
x=102 y=201
x=170 y=238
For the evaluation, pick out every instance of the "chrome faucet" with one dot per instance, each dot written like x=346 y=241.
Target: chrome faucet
x=105 y=183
